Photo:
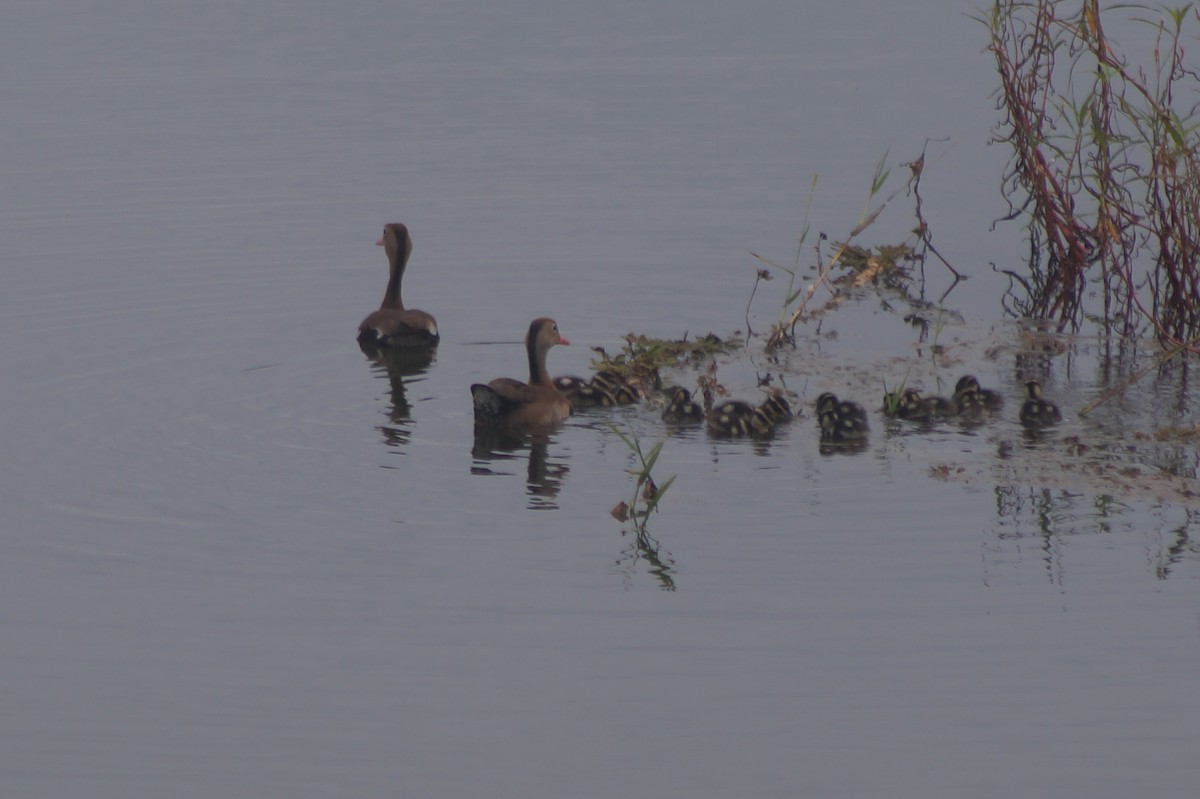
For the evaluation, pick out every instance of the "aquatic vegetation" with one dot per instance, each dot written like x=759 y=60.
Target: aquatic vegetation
x=890 y=265
x=642 y=358
x=646 y=493
x=1105 y=166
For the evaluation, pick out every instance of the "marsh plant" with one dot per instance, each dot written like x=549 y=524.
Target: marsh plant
x=889 y=265
x=642 y=358
x=1105 y=164
x=646 y=492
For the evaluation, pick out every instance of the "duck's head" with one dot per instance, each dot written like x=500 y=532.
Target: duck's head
x=543 y=334
x=826 y=402
x=395 y=241
x=966 y=383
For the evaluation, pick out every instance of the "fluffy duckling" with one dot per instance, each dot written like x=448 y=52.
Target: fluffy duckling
x=776 y=408
x=1038 y=412
x=912 y=406
x=583 y=394
x=620 y=389
x=840 y=421
x=736 y=418
x=683 y=409
x=731 y=418
x=970 y=396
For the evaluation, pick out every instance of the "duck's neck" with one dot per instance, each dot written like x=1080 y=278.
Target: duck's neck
x=391 y=296
x=537 y=366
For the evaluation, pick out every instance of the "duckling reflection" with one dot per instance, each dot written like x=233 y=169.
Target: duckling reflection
x=396 y=365
x=544 y=475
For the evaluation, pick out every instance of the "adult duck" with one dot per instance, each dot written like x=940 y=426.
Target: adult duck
x=393 y=326
x=512 y=405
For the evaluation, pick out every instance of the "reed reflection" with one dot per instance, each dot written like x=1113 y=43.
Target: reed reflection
x=1050 y=519
x=395 y=366
x=644 y=547
x=544 y=474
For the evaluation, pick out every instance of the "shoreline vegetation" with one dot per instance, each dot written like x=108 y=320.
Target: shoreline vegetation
x=1104 y=177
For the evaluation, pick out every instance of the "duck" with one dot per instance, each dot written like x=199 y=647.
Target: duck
x=971 y=397
x=393 y=326
x=733 y=418
x=737 y=418
x=1036 y=411
x=620 y=389
x=582 y=393
x=840 y=421
x=912 y=406
x=776 y=407
x=515 y=406
x=682 y=408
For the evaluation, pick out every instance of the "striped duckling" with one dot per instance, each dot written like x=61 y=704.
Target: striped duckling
x=620 y=389
x=912 y=406
x=583 y=394
x=973 y=400
x=1036 y=411
x=737 y=418
x=682 y=408
x=841 y=421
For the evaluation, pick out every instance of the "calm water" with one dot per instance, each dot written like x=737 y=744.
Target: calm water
x=239 y=559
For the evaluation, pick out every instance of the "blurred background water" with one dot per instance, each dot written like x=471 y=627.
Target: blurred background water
x=240 y=559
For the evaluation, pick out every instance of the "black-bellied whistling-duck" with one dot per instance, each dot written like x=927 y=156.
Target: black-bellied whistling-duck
x=912 y=406
x=972 y=399
x=513 y=405
x=683 y=409
x=582 y=393
x=736 y=418
x=620 y=389
x=393 y=326
x=841 y=421
x=1038 y=412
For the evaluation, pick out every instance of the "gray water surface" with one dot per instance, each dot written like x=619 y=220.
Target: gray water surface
x=240 y=559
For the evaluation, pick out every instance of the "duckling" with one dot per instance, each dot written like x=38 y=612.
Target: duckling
x=776 y=408
x=896 y=405
x=1038 y=412
x=826 y=402
x=969 y=394
x=736 y=418
x=912 y=406
x=621 y=390
x=731 y=418
x=583 y=394
x=683 y=409
x=840 y=421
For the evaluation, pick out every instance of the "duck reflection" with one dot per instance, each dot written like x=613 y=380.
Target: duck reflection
x=544 y=474
x=397 y=365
